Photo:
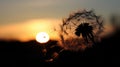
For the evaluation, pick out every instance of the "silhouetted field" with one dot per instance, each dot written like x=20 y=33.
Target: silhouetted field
x=16 y=53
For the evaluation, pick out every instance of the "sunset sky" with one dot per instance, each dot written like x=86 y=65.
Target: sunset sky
x=23 y=19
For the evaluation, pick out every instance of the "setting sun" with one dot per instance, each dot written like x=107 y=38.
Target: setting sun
x=42 y=37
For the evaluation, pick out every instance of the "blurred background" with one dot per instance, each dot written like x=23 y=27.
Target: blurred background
x=22 y=20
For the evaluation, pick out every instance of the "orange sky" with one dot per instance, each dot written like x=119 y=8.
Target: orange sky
x=28 y=29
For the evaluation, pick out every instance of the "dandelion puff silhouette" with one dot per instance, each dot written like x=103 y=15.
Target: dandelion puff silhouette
x=81 y=29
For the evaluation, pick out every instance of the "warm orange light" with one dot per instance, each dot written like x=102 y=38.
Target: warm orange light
x=27 y=30
x=42 y=37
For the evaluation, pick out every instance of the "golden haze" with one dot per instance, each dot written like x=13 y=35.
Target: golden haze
x=28 y=30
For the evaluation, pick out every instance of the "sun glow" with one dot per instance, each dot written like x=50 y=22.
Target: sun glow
x=27 y=30
x=42 y=37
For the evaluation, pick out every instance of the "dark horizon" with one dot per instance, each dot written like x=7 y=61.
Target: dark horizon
x=29 y=53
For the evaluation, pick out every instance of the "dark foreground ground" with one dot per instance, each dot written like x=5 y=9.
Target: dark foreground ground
x=15 y=53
